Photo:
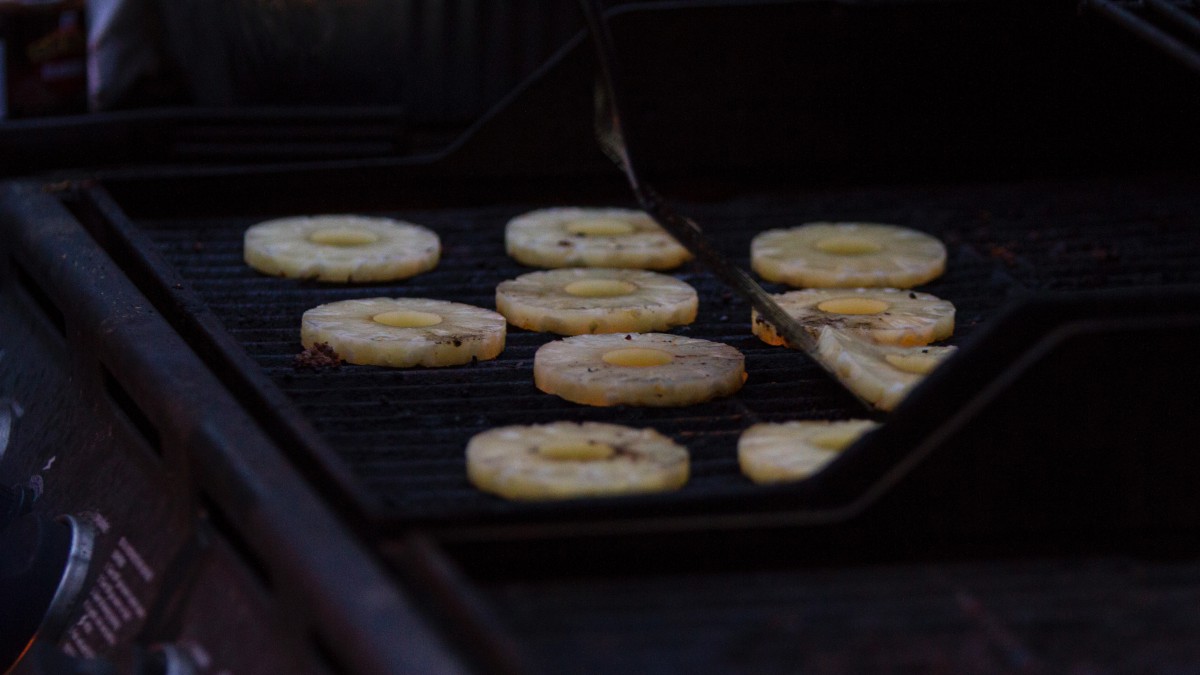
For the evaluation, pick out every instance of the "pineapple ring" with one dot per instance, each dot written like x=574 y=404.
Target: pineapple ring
x=341 y=248
x=885 y=315
x=880 y=374
x=648 y=369
x=574 y=301
x=578 y=237
x=789 y=451
x=403 y=332
x=840 y=255
x=563 y=460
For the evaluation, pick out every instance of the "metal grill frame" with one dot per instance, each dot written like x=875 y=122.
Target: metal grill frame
x=999 y=356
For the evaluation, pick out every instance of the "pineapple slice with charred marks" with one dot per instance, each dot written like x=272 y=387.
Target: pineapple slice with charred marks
x=845 y=255
x=341 y=248
x=404 y=332
x=884 y=315
x=789 y=451
x=592 y=237
x=596 y=300
x=564 y=460
x=879 y=374
x=645 y=369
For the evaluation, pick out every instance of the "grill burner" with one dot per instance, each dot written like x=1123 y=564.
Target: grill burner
x=400 y=434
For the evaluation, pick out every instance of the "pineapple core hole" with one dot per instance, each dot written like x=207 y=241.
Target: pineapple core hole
x=853 y=306
x=834 y=440
x=599 y=227
x=343 y=236
x=577 y=451
x=402 y=318
x=912 y=363
x=637 y=357
x=599 y=288
x=848 y=245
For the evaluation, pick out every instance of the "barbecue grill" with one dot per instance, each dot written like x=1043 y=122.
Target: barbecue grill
x=1028 y=507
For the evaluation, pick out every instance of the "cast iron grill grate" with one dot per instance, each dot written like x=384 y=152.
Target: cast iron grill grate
x=401 y=433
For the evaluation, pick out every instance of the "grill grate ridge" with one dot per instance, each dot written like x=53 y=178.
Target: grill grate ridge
x=402 y=432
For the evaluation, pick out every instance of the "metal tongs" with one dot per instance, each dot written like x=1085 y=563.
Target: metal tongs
x=611 y=137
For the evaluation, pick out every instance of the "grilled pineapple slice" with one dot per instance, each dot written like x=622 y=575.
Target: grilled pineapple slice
x=880 y=374
x=841 y=255
x=578 y=237
x=885 y=315
x=596 y=300
x=341 y=248
x=564 y=460
x=648 y=369
x=790 y=451
x=403 y=332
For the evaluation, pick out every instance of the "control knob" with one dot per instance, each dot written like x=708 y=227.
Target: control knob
x=45 y=658
x=43 y=566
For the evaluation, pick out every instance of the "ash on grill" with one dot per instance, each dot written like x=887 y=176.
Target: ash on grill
x=318 y=357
